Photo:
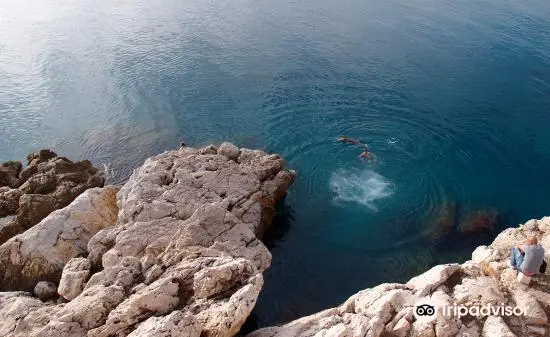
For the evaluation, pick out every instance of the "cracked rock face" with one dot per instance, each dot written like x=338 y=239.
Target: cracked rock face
x=387 y=310
x=40 y=253
x=49 y=182
x=183 y=259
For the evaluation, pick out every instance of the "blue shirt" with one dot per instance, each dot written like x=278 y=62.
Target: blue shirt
x=532 y=259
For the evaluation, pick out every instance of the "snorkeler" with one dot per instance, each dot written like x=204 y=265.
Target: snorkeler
x=348 y=140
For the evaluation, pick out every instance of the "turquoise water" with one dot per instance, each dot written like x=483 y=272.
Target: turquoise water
x=453 y=97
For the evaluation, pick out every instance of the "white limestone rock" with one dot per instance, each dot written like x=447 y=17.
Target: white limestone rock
x=496 y=327
x=483 y=290
x=74 y=277
x=176 y=324
x=533 y=313
x=426 y=283
x=41 y=252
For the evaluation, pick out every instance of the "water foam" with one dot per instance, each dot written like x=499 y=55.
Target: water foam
x=361 y=186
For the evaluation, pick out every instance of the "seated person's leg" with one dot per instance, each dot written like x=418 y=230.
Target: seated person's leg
x=516 y=258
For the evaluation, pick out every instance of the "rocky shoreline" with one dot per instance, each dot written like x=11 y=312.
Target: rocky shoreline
x=484 y=281
x=177 y=251
x=174 y=252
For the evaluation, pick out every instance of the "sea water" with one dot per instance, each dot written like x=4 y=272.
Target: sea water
x=452 y=97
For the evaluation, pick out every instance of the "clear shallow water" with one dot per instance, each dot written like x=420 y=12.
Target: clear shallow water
x=454 y=99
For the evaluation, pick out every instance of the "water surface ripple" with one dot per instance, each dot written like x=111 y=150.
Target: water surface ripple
x=452 y=97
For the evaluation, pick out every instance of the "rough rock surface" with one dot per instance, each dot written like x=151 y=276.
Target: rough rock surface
x=74 y=277
x=45 y=290
x=40 y=253
x=48 y=183
x=387 y=310
x=183 y=259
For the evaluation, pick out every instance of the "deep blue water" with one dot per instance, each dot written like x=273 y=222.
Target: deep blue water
x=452 y=96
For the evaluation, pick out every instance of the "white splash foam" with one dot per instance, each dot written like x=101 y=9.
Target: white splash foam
x=363 y=187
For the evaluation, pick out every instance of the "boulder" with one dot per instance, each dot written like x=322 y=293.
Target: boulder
x=483 y=254
x=48 y=183
x=45 y=290
x=229 y=150
x=533 y=313
x=9 y=201
x=426 y=283
x=74 y=277
x=9 y=173
x=40 y=253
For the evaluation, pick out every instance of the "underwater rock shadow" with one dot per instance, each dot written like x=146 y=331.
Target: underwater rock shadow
x=284 y=217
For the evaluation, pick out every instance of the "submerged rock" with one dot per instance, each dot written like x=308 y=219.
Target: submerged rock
x=445 y=221
x=48 y=183
x=480 y=220
x=183 y=259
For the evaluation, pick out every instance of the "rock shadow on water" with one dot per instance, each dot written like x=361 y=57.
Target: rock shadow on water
x=282 y=221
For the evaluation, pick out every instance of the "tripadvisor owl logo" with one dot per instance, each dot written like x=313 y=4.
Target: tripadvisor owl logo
x=425 y=310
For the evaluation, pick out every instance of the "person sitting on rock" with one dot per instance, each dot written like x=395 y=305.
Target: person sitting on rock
x=527 y=258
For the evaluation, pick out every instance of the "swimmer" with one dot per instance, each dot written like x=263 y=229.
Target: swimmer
x=348 y=140
x=367 y=155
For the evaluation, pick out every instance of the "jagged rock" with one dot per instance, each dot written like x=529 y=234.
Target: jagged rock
x=156 y=299
x=42 y=251
x=45 y=290
x=9 y=201
x=185 y=245
x=9 y=173
x=533 y=313
x=48 y=183
x=483 y=254
x=483 y=290
x=73 y=278
x=176 y=324
x=14 y=306
x=496 y=327
x=433 y=278
x=126 y=274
